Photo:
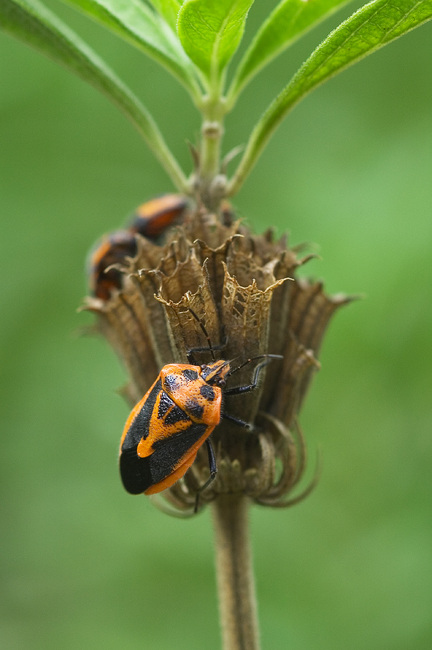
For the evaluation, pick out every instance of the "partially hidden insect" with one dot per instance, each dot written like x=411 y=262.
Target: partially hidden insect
x=111 y=249
x=176 y=416
x=150 y=220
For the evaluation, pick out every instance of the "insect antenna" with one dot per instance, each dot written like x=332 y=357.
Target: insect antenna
x=259 y=356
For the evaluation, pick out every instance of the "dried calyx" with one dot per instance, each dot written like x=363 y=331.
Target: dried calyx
x=243 y=289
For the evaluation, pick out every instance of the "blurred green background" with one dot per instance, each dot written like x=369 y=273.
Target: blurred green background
x=84 y=565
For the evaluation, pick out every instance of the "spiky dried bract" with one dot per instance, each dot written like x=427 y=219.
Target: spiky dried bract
x=243 y=288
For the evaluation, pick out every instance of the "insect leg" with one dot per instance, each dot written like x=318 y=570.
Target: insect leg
x=204 y=331
x=210 y=347
x=191 y=353
x=213 y=472
x=241 y=423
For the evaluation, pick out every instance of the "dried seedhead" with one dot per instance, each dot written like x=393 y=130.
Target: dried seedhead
x=243 y=289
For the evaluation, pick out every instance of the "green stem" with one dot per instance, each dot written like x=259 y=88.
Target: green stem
x=211 y=183
x=237 y=602
x=212 y=131
x=213 y=110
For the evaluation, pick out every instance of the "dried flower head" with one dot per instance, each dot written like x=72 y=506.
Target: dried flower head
x=243 y=289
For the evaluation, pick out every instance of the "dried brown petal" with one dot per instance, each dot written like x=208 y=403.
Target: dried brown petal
x=243 y=289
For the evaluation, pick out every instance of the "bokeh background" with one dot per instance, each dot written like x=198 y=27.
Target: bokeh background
x=84 y=565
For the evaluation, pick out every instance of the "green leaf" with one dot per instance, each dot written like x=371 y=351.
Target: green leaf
x=31 y=22
x=169 y=10
x=138 y=24
x=289 y=20
x=373 y=26
x=210 y=32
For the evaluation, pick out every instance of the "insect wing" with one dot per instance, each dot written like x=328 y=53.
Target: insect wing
x=159 y=443
x=135 y=471
x=174 y=455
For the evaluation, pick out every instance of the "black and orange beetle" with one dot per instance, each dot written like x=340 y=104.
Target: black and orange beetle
x=150 y=220
x=111 y=249
x=176 y=416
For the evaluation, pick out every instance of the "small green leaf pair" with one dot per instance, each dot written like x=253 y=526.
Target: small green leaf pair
x=210 y=33
x=195 y=41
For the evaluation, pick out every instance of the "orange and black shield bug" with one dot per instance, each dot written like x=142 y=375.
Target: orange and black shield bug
x=111 y=249
x=175 y=418
x=150 y=220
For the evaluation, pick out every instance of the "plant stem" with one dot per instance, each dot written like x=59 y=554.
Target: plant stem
x=210 y=151
x=236 y=587
x=211 y=183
